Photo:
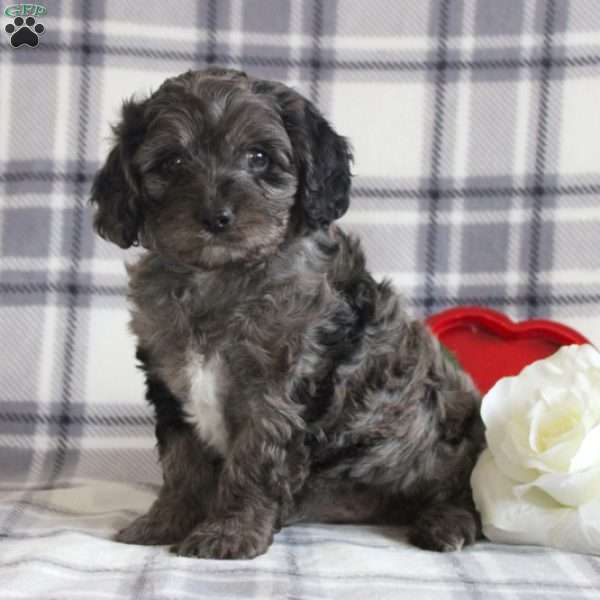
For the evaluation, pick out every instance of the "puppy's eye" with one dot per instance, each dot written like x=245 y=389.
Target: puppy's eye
x=257 y=160
x=172 y=164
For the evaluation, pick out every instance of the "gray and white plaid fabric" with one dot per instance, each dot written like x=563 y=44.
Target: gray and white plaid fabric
x=476 y=128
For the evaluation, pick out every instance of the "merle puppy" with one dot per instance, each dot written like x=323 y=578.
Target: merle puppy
x=288 y=384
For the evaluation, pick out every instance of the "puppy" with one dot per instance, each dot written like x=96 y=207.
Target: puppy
x=288 y=384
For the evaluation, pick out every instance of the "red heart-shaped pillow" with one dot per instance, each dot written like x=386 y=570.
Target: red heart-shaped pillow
x=489 y=346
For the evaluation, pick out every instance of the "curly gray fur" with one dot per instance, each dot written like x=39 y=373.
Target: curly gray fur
x=288 y=384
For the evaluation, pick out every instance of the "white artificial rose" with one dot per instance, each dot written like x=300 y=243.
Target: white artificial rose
x=538 y=481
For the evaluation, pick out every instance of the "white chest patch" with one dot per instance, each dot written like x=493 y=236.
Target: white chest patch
x=204 y=406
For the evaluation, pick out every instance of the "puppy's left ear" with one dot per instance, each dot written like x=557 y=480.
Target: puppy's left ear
x=325 y=168
x=322 y=157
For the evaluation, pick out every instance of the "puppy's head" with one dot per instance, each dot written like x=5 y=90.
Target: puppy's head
x=216 y=167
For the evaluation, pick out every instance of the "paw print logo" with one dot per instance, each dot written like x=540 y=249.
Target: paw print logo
x=24 y=34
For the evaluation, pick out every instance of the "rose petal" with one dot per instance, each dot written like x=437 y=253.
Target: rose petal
x=533 y=518
x=498 y=505
x=569 y=489
x=555 y=417
x=585 y=355
x=588 y=454
x=506 y=435
x=508 y=451
x=558 y=458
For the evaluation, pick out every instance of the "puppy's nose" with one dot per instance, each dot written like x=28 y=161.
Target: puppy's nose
x=218 y=221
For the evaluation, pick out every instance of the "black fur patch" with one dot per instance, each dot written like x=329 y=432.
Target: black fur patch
x=168 y=409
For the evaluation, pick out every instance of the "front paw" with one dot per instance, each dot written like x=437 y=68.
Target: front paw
x=146 y=532
x=445 y=529
x=224 y=539
x=163 y=524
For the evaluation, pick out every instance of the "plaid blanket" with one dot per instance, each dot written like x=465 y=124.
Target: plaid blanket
x=476 y=128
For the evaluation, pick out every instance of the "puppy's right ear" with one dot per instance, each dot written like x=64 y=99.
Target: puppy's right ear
x=116 y=189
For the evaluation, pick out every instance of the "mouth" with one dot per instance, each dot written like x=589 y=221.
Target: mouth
x=249 y=236
x=224 y=238
x=216 y=251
